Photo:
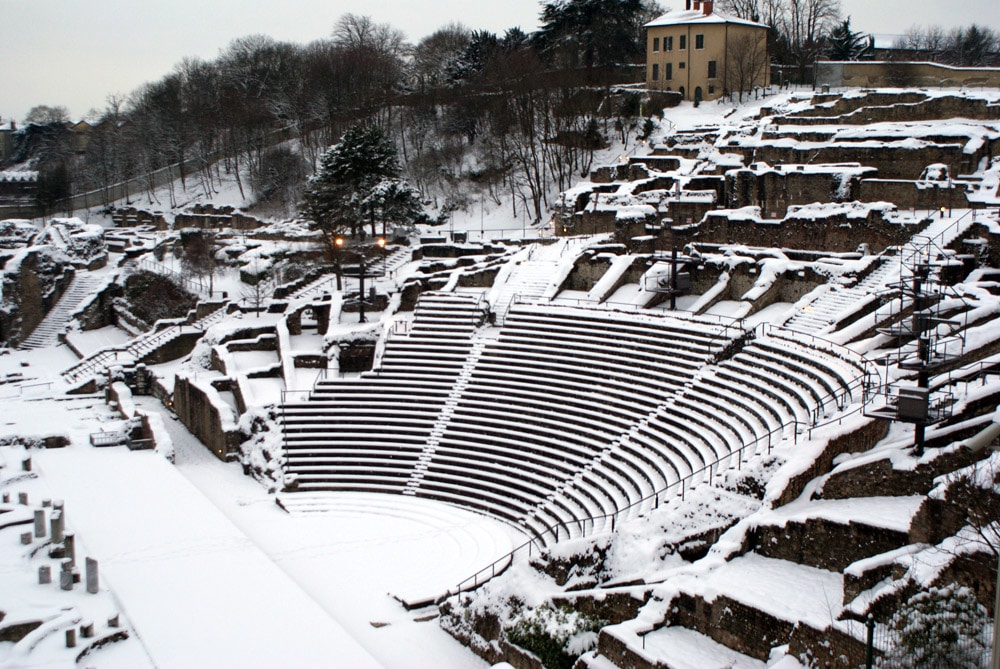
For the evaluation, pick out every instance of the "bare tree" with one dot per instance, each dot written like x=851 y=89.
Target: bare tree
x=199 y=255
x=361 y=32
x=435 y=54
x=768 y=12
x=807 y=22
x=44 y=114
x=746 y=63
x=257 y=294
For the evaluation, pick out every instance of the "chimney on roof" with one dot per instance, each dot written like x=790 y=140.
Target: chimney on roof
x=707 y=7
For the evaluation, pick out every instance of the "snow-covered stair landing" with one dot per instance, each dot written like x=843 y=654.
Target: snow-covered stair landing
x=826 y=310
x=47 y=332
x=532 y=274
x=139 y=348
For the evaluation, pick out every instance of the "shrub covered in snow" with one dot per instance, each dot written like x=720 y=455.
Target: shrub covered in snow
x=260 y=449
x=943 y=628
x=558 y=636
x=150 y=297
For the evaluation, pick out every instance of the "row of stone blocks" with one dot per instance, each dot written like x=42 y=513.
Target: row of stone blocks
x=63 y=547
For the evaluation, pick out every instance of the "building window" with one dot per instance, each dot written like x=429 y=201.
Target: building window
x=712 y=73
x=656 y=44
x=711 y=90
x=684 y=42
x=699 y=41
x=680 y=65
x=670 y=71
x=668 y=43
x=656 y=71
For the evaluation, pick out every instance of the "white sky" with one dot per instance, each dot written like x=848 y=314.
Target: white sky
x=76 y=52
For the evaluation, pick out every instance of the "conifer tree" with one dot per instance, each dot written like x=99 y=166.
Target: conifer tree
x=845 y=44
x=358 y=182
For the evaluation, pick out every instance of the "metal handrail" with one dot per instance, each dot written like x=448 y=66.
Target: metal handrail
x=472 y=582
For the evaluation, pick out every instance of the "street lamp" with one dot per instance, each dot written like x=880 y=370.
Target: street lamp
x=381 y=245
x=339 y=244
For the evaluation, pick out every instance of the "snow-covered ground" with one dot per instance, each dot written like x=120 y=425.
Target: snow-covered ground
x=206 y=570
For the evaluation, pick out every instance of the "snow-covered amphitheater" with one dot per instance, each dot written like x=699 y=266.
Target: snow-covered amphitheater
x=562 y=420
x=551 y=445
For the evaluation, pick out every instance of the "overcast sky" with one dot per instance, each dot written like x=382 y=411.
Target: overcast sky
x=76 y=52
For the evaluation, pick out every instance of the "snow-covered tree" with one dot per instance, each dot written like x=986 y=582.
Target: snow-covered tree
x=358 y=182
x=392 y=202
x=436 y=53
x=592 y=33
x=944 y=628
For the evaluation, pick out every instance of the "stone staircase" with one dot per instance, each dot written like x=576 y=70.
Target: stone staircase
x=530 y=277
x=824 y=312
x=138 y=348
x=441 y=424
x=398 y=258
x=47 y=332
x=808 y=574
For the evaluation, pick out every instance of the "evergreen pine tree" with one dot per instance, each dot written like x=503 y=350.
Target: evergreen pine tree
x=358 y=182
x=845 y=44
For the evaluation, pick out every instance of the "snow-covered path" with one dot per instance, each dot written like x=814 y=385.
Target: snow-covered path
x=198 y=592
x=355 y=557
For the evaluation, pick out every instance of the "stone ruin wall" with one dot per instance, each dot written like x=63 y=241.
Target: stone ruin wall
x=31 y=293
x=835 y=234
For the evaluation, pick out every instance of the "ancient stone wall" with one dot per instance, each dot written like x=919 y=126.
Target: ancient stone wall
x=130 y=217
x=825 y=544
x=859 y=440
x=734 y=624
x=587 y=271
x=774 y=191
x=913 y=194
x=197 y=412
x=29 y=294
x=902 y=161
x=834 y=233
x=904 y=74
x=620 y=655
x=829 y=648
x=834 y=104
x=881 y=475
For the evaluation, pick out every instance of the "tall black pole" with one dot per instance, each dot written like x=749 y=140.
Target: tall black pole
x=920 y=324
x=361 y=290
x=673 y=279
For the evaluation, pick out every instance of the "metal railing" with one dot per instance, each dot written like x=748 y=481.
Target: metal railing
x=686 y=483
x=138 y=347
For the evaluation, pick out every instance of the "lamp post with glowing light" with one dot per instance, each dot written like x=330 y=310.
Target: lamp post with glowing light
x=339 y=244
x=381 y=246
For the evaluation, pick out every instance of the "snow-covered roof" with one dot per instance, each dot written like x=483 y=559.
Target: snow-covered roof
x=699 y=17
x=24 y=176
x=886 y=40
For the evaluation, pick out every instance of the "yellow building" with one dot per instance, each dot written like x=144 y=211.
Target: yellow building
x=704 y=54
